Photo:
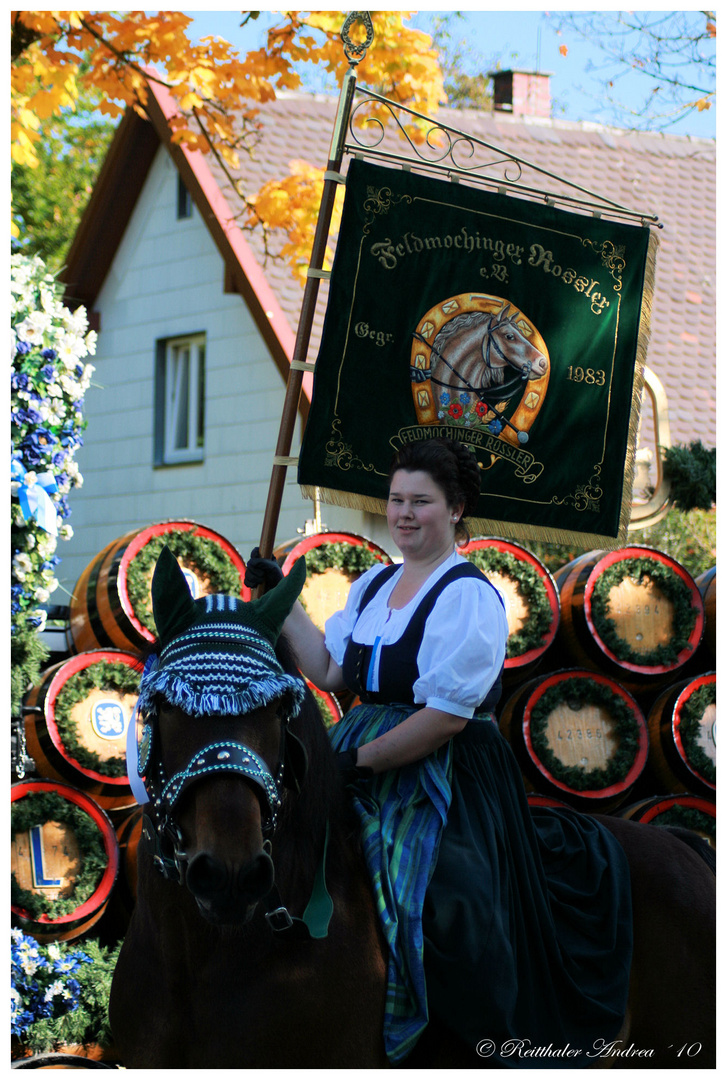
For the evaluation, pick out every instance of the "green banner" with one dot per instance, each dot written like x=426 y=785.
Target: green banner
x=513 y=326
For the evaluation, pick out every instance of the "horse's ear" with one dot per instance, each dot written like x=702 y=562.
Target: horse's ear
x=273 y=608
x=502 y=315
x=171 y=599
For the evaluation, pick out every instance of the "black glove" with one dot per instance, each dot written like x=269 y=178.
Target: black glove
x=349 y=770
x=262 y=571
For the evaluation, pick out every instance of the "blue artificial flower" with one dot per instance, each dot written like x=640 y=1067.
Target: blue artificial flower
x=22 y=348
x=48 y=371
x=495 y=426
x=444 y=397
x=19 y=380
x=49 y=354
x=464 y=398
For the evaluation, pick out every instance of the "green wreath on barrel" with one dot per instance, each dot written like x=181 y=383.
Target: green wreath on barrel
x=531 y=588
x=673 y=588
x=349 y=558
x=576 y=693
x=37 y=808
x=103 y=675
x=187 y=545
x=691 y=714
x=688 y=817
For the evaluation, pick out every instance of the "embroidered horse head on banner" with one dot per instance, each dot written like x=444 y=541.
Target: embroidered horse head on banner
x=475 y=358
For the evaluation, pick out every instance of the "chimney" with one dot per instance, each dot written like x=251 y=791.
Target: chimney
x=522 y=93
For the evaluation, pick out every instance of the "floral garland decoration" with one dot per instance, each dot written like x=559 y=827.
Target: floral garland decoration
x=59 y=993
x=102 y=675
x=48 y=344
x=530 y=587
x=672 y=587
x=579 y=692
x=349 y=558
x=186 y=544
x=690 y=717
x=35 y=809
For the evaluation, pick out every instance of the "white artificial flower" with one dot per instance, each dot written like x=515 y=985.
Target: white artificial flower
x=22 y=565
x=91 y=341
x=65 y=532
x=71 y=387
x=75 y=321
x=33 y=328
x=42 y=617
x=54 y=952
x=41 y=595
x=54 y=990
x=13 y=343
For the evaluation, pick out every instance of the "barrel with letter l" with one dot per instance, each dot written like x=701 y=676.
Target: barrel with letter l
x=64 y=860
x=578 y=736
x=76 y=720
x=531 y=601
x=634 y=613
x=683 y=737
x=111 y=602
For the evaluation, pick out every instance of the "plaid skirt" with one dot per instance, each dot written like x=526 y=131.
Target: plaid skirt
x=507 y=924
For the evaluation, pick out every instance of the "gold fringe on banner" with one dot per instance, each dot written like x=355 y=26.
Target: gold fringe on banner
x=477 y=526
x=638 y=387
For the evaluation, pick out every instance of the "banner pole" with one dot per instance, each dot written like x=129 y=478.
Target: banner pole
x=310 y=295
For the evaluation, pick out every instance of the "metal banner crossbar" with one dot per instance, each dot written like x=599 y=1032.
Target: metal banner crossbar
x=445 y=151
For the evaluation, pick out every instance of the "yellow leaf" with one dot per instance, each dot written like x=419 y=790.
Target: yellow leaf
x=703 y=104
x=563 y=50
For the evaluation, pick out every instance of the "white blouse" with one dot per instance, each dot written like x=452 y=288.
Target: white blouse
x=463 y=646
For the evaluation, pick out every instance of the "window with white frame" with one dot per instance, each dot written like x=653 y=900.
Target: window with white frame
x=180 y=400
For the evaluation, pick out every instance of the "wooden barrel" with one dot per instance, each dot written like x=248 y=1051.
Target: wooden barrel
x=536 y=800
x=634 y=613
x=707 y=585
x=577 y=735
x=334 y=561
x=111 y=603
x=123 y=898
x=76 y=721
x=531 y=600
x=63 y=846
x=682 y=735
x=687 y=811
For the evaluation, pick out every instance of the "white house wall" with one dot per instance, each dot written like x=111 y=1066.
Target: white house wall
x=167 y=281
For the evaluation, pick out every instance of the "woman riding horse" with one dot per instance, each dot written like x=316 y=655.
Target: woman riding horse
x=501 y=924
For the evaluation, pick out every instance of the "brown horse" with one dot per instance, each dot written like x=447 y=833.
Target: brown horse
x=217 y=971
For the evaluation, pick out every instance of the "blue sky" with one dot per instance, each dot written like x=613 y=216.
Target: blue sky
x=513 y=38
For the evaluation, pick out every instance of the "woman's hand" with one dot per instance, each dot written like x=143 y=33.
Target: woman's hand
x=419 y=735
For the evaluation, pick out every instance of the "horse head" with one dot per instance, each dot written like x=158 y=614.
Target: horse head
x=216 y=750
x=503 y=343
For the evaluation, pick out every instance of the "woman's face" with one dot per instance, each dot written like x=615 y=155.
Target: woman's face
x=420 y=521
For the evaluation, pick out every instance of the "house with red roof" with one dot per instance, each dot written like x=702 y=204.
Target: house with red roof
x=197 y=328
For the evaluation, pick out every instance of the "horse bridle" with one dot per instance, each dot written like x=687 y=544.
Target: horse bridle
x=214 y=759
x=490 y=396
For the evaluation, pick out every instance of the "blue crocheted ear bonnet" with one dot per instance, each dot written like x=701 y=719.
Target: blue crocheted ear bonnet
x=217 y=655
